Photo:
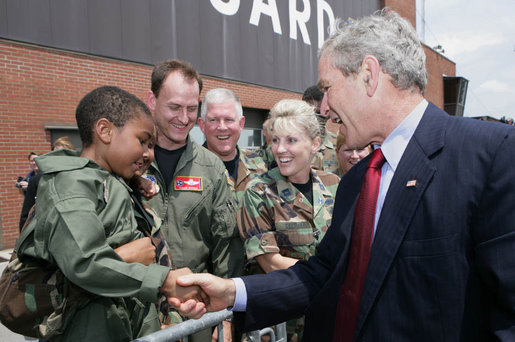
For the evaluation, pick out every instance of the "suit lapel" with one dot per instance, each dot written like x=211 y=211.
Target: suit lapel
x=414 y=173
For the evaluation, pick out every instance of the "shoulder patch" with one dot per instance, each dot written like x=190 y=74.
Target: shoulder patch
x=154 y=181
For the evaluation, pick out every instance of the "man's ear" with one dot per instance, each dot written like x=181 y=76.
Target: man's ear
x=201 y=124
x=151 y=100
x=370 y=69
x=104 y=130
x=242 y=122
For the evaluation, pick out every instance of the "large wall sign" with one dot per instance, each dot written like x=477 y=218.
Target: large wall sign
x=266 y=42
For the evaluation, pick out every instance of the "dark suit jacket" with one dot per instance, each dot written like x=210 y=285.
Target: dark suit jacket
x=442 y=266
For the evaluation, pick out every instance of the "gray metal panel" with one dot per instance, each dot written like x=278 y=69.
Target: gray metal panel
x=148 y=31
x=3 y=16
x=188 y=30
x=136 y=37
x=163 y=38
x=28 y=20
x=69 y=25
x=105 y=27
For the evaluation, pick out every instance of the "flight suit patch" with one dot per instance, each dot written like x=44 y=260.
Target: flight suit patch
x=188 y=183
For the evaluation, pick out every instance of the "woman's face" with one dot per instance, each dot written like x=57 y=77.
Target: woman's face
x=293 y=151
x=349 y=158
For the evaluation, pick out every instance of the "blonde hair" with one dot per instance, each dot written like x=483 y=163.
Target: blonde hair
x=294 y=114
x=63 y=142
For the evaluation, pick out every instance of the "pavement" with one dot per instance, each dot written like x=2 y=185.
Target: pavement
x=7 y=335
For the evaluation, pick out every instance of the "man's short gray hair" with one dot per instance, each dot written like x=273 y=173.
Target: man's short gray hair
x=220 y=95
x=386 y=36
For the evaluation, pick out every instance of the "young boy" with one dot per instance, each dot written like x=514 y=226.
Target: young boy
x=84 y=212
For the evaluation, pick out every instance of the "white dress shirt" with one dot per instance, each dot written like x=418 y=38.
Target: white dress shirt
x=393 y=148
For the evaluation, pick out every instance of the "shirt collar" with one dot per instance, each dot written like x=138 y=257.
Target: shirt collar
x=394 y=145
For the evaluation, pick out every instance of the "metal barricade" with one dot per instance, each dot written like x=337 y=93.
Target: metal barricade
x=277 y=335
x=191 y=326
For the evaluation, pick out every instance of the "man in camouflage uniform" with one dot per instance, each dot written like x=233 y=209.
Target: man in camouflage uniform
x=222 y=121
x=265 y=152
x=326 y=158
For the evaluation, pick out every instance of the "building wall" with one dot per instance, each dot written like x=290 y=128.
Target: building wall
x=40 y=86
x=437 y=66
x=406 y=9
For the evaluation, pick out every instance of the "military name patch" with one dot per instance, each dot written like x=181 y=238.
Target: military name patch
x=188 y=183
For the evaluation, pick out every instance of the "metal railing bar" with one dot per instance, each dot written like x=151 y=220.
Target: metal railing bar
x=188 y=327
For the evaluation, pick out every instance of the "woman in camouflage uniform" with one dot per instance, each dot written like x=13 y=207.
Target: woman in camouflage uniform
x=286 y=211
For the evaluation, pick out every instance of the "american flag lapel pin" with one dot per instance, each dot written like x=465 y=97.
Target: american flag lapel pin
x=411 y=183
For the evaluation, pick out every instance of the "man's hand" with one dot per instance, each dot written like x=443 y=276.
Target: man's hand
x=140 y=250
x=23 y=184
x=220 y=292
x=182 y=293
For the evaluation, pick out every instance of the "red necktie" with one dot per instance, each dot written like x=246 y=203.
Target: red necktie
x=359 y=255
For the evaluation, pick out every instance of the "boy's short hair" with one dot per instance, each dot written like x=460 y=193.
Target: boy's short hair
x=115 y=104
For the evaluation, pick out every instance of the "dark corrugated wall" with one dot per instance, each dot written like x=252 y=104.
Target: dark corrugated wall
x=147 y=31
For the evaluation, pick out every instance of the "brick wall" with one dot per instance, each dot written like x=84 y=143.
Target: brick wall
x=437 y=66
x=405 y=8
x=40 y=86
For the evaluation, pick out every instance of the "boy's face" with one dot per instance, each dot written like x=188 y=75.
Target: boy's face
x=148 y=157
x=131 y=146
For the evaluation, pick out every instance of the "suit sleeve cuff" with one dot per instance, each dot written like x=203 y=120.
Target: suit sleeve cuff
x=240 y=300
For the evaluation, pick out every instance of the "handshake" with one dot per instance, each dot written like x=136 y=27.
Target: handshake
x=195 y=294
x=191 y=294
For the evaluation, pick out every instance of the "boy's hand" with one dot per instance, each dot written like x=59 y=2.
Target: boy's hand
x=140 y=250
x=218 y=293
x=185 y=293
